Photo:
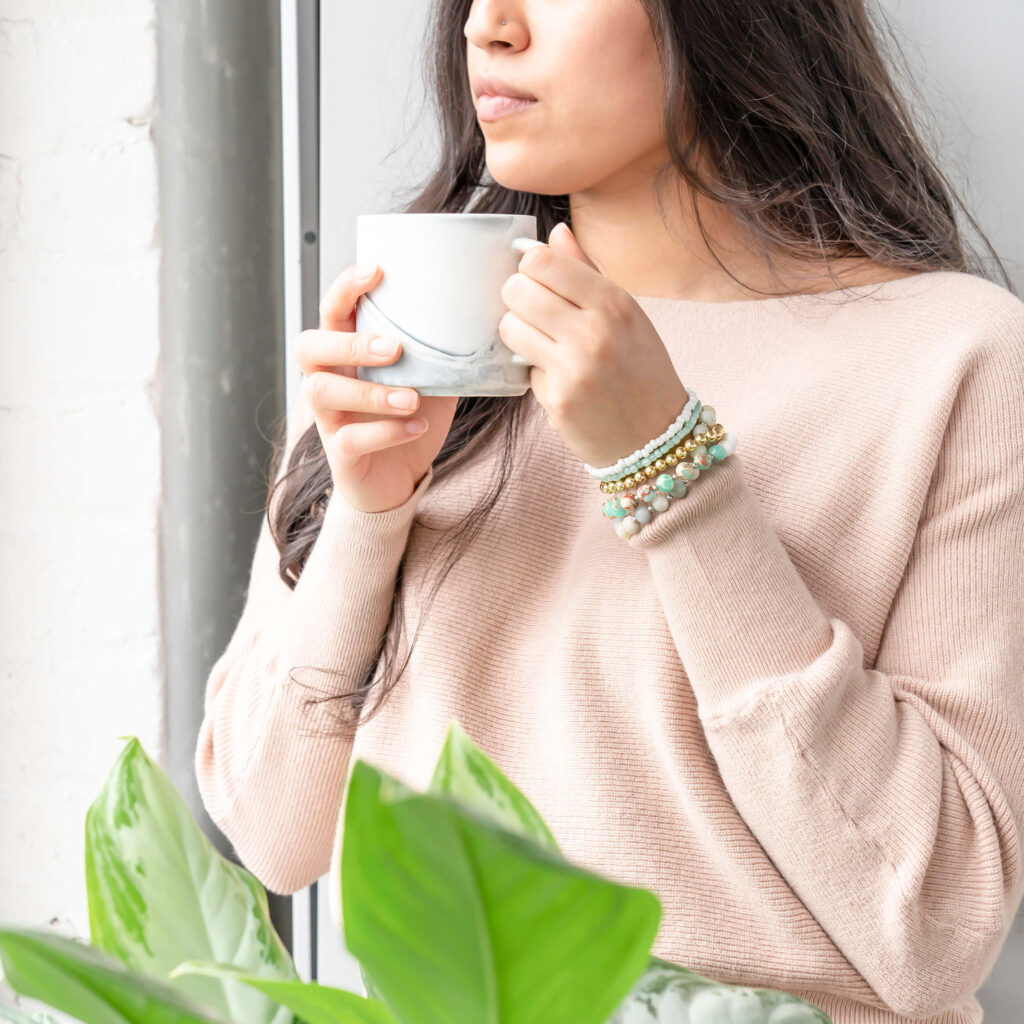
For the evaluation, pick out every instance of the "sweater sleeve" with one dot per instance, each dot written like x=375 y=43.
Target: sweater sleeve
x=268 y=769
x=890 y=798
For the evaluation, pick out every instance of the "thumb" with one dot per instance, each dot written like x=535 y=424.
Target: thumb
x=562 y=238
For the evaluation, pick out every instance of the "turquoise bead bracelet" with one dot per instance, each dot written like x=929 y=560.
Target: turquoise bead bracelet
x=701 y=425
x=701 y=433
x=671 y=443
x=631 y=508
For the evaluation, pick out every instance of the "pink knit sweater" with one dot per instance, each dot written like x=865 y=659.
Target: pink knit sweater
x=792 y=706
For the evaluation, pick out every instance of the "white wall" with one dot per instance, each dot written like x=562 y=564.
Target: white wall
x=965 y=60
x=80 y=649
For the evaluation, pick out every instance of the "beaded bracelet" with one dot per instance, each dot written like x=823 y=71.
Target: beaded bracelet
x=631 y=510
x=671 y=443
x=659 y=461
x=679 y=427
x=638 y=498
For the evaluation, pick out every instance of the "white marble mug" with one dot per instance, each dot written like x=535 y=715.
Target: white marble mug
x=440 y=295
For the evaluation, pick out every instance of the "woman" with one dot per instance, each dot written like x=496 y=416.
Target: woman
x=789 y=703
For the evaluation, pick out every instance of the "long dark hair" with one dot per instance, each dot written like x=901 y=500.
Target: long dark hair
x=811 y=147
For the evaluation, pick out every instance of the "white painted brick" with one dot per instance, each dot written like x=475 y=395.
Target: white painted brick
x=93 y=455
x=41 y=10
x=98 y=200
x=80 y=472
x=8 y=204
x=77 y=329
x=74 y=74
x=93 y=587
x=53 y=705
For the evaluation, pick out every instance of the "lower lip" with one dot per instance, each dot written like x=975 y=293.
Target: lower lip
x=490 y=108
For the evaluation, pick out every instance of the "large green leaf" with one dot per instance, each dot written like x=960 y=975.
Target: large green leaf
x=465 y=772
x=669 y=994
x=159 y=892
x=90 y=984
x=459 y=919
x=315 y=1004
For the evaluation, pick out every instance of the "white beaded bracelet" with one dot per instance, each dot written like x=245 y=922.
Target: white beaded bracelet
x=680 y=425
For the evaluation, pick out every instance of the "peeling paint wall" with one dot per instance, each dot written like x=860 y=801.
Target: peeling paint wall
x=80 y=469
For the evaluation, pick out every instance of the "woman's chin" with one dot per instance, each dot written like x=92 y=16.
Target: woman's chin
x=521 y=174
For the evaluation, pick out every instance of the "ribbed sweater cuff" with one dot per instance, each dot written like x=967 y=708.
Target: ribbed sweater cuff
x=739 y=612
x=342 y=600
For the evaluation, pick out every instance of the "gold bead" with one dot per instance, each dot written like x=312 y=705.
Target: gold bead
x=619 y=486
x=604 y=487
x=689 y=444
x=660 y=464
x=670 y=459
x=649 y=471
x=680 y=452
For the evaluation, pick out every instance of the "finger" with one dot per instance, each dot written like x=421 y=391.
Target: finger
x=322 y=349
x=538 y=305
x=561 y=238
x=337 y=308
x=337 y=399
x=525 y=340
x=561 y=272
x=354 y=440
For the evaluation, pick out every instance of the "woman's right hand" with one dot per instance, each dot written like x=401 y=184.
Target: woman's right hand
x=375 y=462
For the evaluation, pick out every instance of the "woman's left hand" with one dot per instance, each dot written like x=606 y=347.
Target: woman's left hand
x=600 y=369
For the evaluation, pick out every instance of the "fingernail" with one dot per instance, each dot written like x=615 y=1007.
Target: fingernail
x=415 y=426
x=401 y=399
x=382 y=346
x=364 y=271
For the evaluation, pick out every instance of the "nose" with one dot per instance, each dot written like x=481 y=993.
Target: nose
x=484 y=28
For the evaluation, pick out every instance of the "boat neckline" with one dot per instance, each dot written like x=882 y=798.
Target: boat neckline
x=775 y=300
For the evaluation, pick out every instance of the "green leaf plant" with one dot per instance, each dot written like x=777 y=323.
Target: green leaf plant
x=456 y=903
x=159 y=893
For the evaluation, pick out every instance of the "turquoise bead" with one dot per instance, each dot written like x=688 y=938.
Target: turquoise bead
x=613 y=509
x=717 y=452
x=665 y=482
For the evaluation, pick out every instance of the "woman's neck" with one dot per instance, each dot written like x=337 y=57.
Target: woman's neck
x=662 y=251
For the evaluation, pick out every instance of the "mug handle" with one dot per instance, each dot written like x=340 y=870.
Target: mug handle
x=521 y=244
